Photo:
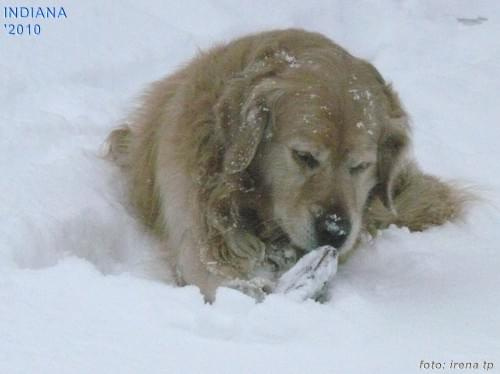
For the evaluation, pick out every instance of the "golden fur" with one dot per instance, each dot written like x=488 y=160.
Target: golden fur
x=269 y=146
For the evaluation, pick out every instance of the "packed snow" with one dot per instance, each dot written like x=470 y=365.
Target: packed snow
x=83 y=289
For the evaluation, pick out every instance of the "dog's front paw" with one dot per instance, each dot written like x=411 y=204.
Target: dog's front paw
x=257 y=288
x=246 y=245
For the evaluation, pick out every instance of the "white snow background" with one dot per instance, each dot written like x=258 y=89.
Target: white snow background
x=84 y=290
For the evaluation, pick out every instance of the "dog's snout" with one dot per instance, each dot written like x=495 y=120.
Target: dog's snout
x=332 y=229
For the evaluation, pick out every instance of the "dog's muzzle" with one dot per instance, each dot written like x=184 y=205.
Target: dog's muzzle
x=332 y=229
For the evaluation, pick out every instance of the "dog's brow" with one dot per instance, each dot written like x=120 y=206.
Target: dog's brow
x=306 y=145
x=366 y=154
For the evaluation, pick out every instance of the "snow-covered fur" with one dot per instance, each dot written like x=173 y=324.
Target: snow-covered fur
x=265 y=148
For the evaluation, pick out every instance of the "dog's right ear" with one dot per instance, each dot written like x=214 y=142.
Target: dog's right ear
x=244 y=130
x=244 y=114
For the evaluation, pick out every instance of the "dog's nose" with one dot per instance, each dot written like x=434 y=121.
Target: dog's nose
x=332 y=229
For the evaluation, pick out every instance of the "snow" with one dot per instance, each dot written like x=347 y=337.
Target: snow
x=84 y=290
x=291 y=60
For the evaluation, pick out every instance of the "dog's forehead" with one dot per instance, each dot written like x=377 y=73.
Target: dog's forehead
x=313 y=122
x=330 y=121
x=364 y=109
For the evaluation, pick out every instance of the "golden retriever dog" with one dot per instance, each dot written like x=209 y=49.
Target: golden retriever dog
x=265 y=148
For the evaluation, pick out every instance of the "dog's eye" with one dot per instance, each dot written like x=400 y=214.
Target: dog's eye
x=305 y=158
x=359 y=167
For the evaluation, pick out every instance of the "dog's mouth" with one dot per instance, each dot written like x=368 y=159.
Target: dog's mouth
x=274 y=234
x=332 y=231
x=281 y=252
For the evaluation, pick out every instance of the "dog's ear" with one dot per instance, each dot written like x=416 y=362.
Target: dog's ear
x=245 y=108
x=393 y=144
x=244 y=134
x=243 y=116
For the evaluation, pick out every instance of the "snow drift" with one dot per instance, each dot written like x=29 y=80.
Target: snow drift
x=84 y=289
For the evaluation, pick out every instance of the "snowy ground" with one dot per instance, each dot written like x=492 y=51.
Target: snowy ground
x=82 y=289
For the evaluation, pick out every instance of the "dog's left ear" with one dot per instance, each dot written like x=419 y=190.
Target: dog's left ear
x=393 y=144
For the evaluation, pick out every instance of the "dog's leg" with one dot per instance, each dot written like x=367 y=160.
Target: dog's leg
x=257 y=288
x=245 y=245
x=426 y=201
x=117 y=145
x=420 y=201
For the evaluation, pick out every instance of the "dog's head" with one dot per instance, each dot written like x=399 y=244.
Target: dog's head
x=318 y=140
